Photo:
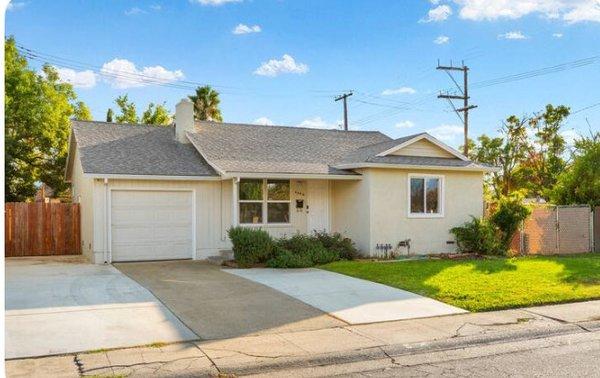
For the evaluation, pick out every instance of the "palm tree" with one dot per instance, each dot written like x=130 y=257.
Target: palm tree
x=206 y=104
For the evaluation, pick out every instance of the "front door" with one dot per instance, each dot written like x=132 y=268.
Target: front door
x=317 y=205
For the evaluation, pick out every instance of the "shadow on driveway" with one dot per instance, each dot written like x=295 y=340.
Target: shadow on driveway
x=217 y=305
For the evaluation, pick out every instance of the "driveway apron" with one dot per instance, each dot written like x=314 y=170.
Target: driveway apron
x=217 y=305
x=350 y=299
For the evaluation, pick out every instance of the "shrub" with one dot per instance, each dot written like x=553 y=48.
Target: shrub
x=250 y=245
x=301 y=251
x=478 y=236
x=343 y=247
x=284 y=258
x=508 y=217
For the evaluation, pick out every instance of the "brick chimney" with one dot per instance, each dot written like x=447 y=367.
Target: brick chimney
x=184 y=119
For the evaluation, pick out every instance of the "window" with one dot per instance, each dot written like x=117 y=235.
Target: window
x=258 y=197
x=426 y=196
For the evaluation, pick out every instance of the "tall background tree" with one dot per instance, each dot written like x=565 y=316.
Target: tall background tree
x=580 y=182
x=206 y=104
x=155 y=114
x=38 y=112
x=530 y=152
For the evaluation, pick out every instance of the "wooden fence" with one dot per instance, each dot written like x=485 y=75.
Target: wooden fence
x=41 y=229
x=551 y=230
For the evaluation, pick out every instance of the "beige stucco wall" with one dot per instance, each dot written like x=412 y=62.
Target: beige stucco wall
x=82 y=193
x=350 y=210
x=376 y=210
x=423 y=147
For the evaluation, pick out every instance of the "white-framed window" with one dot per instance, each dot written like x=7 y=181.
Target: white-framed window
x=264 y=201
x=425 y=196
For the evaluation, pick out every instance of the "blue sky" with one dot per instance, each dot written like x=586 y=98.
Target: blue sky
x=288 y=59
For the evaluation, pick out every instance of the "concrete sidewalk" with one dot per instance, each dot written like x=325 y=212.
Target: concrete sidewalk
x=269 y=352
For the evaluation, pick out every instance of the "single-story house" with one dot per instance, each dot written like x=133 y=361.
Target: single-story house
x=171 y=192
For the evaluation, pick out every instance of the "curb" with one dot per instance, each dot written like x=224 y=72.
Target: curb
x=389 y=351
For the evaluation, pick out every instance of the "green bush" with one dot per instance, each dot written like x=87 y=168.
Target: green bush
x=508 y=217
x=478 y=236
x=251 y=246
x=301 y=251
x=343 y=247
x=284 y=258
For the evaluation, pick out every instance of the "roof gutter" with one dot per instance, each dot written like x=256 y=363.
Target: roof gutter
x=275 y=175
x=150 y=177
x=468 y=168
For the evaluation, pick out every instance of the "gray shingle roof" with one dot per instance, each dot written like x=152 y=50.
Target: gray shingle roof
x=278 y=149
x=109 y=148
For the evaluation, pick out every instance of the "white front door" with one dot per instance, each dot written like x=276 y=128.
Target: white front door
x=151 y=225
x=317 y=205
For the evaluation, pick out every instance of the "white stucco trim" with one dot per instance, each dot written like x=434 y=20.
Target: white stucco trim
x=151 y=177
x=473 y=168
x=304 y=176
x=431 y=139
x=441 y=196
x=108 y=226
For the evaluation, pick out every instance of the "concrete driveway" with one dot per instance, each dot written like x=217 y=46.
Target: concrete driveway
x=64 y=305
x=351 y=299
x=217 y=305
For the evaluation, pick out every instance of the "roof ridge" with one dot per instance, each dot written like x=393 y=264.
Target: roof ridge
x=122 y=124
x=289 y=127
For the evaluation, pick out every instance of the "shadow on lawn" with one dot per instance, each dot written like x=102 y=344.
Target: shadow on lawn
x=580 y=269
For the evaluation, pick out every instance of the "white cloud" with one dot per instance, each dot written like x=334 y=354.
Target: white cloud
x=441 y=40
x=512 y=35
x=319 y=123
x=79 y=79
x=405 y=124
x=572 y=11
x=121 y=73
x=263 y=121
x=557 y=35
x=15 y=5
x=156 y=7
x=437 y=14
x=245 y=29
x=275 y=67
x=214 y=2
x=586 y=11
x=447 y=133
x=401 y=90
x=134 y=11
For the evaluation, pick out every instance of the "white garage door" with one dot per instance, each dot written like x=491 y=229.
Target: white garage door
x=151 y=225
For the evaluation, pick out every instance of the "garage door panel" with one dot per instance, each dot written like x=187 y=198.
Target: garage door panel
x=151 y=225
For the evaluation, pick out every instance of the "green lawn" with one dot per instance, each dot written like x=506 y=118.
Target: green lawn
x=491 y=284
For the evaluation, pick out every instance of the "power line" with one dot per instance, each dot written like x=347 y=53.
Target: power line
x=465 y=98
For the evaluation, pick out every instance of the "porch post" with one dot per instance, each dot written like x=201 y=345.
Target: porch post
x=234 y=202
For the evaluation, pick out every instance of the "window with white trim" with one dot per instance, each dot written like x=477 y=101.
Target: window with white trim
x=426 y=195
x=264 y=201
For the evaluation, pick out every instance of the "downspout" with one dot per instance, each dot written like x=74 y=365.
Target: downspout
x=106 y=225
x=234 y=202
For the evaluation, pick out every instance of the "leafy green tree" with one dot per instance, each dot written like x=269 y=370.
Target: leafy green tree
x=206 y=104
x=546 y=160
x=580 y=182
x=156 y=114
x=505 y=152
x=109 y=115
x=82 y=112
x=38 y=110
x=128 y=110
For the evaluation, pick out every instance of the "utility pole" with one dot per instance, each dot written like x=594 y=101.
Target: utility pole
x=344 y=97
x=465 y=97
